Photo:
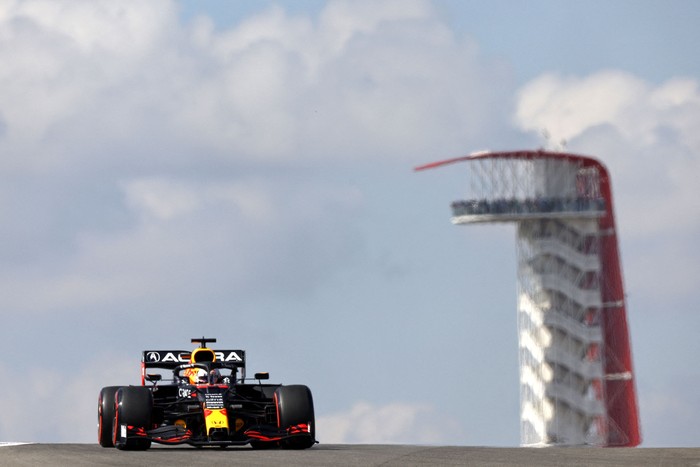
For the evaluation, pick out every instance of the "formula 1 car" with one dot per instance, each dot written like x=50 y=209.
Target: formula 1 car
x=206 y=401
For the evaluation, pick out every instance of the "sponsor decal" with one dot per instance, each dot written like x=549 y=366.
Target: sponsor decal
x=184 y=392
x=181 y=357
x=123 y=431
x=214 y=401
x=153 y=357
x=160 y=356
x=229 y=357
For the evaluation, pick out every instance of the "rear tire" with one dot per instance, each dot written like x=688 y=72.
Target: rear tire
x=105 y=416
x=295 y=406
x=133 y=407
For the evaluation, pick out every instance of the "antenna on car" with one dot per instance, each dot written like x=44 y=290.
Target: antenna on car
x=203 y=341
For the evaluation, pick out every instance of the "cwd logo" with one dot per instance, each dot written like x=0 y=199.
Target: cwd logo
x=153 y=357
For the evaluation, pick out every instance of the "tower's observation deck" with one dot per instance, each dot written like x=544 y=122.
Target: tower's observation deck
x=576 y=384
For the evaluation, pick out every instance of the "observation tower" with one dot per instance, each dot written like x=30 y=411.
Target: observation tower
x=576 y=379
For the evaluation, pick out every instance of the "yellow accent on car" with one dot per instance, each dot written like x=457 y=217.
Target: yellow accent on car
x=202 y=354
x=239 y=423
x=216 y=418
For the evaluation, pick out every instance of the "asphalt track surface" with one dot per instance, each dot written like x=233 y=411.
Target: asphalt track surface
x=345 y=454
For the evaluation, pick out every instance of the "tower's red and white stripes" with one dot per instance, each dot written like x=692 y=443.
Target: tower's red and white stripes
x=576 y=378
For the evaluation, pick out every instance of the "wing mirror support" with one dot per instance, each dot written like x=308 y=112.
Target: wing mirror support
x=154 y=378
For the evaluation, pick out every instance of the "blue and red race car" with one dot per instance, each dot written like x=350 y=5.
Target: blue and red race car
x=204 y=399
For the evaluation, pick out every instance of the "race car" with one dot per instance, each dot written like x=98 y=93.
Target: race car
x=204 y=399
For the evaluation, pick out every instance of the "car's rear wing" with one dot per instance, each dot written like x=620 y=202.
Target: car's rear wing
x=170 y=359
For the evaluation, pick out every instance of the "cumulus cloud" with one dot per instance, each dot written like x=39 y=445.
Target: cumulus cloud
x=363 y=79
x=160 y=198
x=64 y=400
x=567 y=106
x=134 y=142
x=68 y=66
x=642 y=113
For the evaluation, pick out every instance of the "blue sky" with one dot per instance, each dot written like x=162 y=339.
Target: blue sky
x=243 y=170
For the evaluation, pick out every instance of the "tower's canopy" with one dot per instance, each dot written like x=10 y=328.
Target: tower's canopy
x=517 y=185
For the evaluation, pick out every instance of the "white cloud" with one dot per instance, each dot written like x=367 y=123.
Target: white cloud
x=161 y=198
x=66 y=67
x=150 y=142
x=342 y=20
x=567 y=106
x=393 y=423
x=126 y=81
x=63 y=399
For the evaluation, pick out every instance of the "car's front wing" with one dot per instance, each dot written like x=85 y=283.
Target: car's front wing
x=174 y=435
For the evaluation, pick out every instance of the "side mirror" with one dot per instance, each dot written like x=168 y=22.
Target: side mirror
x=264 y=375
x=154 y=378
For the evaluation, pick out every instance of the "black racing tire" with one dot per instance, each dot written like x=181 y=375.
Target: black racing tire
x=133 y=407
x=105 y=416
x=295 y=405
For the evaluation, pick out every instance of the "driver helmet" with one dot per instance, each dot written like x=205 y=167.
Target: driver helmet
x=198 y=376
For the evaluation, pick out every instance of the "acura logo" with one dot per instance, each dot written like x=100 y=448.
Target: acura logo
x=153 y=357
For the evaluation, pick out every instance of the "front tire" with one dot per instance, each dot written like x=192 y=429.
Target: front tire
x=133 y=407
x=295 y=406
x=105 y=416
